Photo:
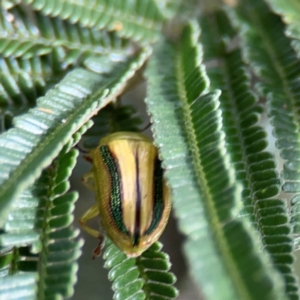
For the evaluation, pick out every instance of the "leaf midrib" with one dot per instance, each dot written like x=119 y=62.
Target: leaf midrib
x=278 y=67
x=113 y=13
x=48 y=44
x=216 y=229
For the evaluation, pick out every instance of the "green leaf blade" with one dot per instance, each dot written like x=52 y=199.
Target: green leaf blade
x=25 y=286
x=144 y=277
x=289 y=11
x=245 y=139
x=141 y=22
x=47 y=252
x=201 y=177
x=277 y=68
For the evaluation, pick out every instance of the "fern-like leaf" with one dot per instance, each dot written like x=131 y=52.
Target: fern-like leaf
x=245 y=140
x=24 y=80
x=39 y=135
x=205 y=199
x=26 y=33
x=20 y=36
x=289 y=11
x=278 y=68
x=39 y=234
x=144 y=277
x=133 y=19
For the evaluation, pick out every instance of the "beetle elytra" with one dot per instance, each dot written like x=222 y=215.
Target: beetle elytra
x=133 y=199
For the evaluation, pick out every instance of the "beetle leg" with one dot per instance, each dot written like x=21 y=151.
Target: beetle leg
x=88 y=158
x=91 y=213
x=97 y=250
x=88 y=180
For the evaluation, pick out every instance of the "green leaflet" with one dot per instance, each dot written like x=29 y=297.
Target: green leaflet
x=42 y=217
x=289 y=11
x=133 y=19
x=206 y=201
x=144 y=277
x=245 y=140
x=37 y=51
x=278 y=70
x=34 y=34
x=24 y=80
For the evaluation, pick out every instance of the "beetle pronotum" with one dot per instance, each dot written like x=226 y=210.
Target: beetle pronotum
x=133 y=198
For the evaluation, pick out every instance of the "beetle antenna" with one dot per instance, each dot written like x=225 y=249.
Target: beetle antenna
x=147 y=126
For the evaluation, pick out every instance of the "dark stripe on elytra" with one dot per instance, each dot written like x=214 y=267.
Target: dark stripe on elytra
x=158 y=206
x=138 y=204
x=115 y=204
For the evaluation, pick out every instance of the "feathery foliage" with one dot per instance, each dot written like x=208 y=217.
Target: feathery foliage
x=289 y=11
x=245 y=140
x=25 y=80
x=182 y=88
x=133 y=19
x=64 y=66
x=33 y=34
x=39 y=135
x=144 y=277
x=41 y=217
x=278 y=69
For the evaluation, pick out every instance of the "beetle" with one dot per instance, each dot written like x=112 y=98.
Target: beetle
x=133 y=199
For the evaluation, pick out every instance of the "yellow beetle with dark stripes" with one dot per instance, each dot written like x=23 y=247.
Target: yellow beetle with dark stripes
x=133 y=199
